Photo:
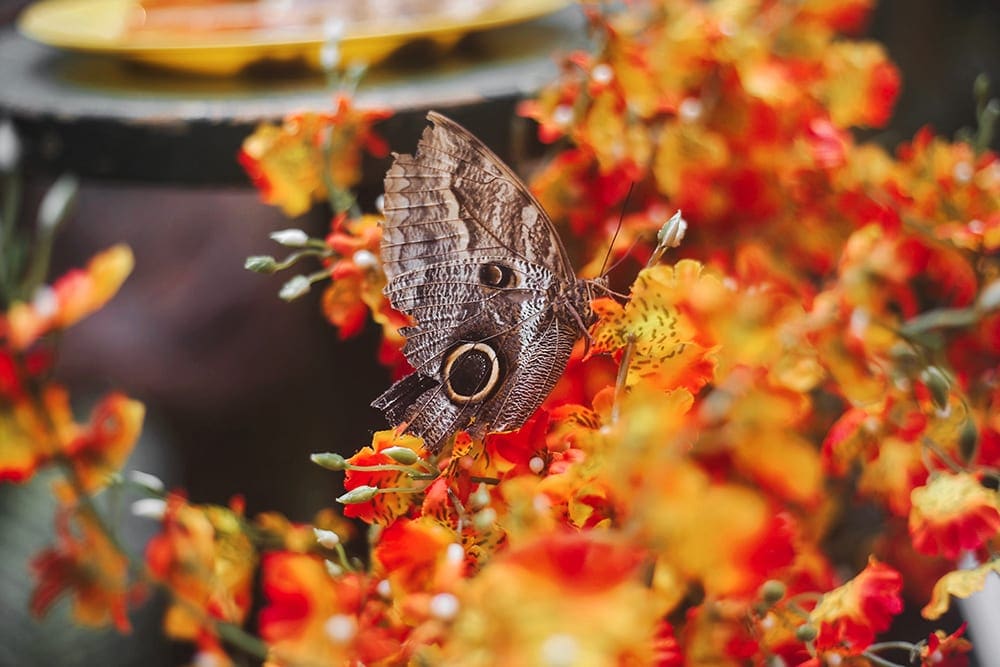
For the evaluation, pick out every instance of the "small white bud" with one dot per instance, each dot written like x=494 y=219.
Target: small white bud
x=690 y=109
x=341 y=628
x=560 y=651
x=455 y=553
x=150 y=508
x=444 y=606
x=294 y=288
x=294 y=238
x=10 y=146
x=365 y=259
x=44 y=301
x=963 y=172
x=672 y=232
x=380 y=204
x=333 y=29
x=563 y=115
x=384 y=589
x=536 y=464
x=329 y=56
x=145 y=480
x=57 y=202
x=326 y=538
x=333 y=569
x=602 y=73
x=989 y=298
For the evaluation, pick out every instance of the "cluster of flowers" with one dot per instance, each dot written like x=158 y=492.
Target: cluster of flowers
x=829 y=341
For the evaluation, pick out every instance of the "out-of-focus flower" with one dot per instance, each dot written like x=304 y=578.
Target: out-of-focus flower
x=960 y=584
x=311 y=618
x=88 y=565
x=207 y=562
x=296 y=164
x=103 y=446
x=72 y=297
x=563 y=598
x=953 y=513
x=300 y=537
x=850 y=616
x=946 y=650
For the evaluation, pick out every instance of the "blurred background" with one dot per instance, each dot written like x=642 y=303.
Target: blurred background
x=241 y=387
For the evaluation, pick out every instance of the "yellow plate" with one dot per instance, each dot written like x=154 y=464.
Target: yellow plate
x=100 y=26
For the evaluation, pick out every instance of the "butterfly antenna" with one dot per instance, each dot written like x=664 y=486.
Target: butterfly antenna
x=621 y=219
x=625 y=256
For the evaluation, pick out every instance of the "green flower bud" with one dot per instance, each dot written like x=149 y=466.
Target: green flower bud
x=329 y=460
x=361 y=494
x=402 y=455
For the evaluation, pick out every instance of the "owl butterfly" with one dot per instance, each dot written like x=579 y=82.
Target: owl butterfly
x=472 y=258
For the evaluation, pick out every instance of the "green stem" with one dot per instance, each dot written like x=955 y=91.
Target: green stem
x=881 y=662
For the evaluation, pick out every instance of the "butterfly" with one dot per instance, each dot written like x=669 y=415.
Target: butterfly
x=472 y=258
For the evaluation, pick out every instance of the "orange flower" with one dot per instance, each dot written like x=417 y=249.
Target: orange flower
x=25 y=434
x=953 y=513
x=562 y=598
x=105 y=444
x=669 y=349
x=207 y=562
x=414 y=555
x=946 y=650
x=382 y=508
x=71 y=298
x=515 y=453
x=290 y=164
x=87 y=565
x=849 y=617
x=311 y=618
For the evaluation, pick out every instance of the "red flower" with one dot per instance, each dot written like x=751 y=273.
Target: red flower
x=381 y=508
x=312 y=618
x=849 y=617
x=946 y=650
x=953 y=513
x=88 y=566
x=206 y=560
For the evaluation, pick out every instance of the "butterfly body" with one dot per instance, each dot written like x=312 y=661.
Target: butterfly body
x=472 y=258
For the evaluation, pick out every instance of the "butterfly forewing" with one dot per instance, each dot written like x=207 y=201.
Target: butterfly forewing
x=472 y=258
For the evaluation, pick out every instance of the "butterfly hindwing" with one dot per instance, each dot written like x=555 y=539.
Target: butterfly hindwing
x=473 y=260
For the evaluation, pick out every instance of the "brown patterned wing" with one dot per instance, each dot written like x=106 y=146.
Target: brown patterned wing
x=472 y=258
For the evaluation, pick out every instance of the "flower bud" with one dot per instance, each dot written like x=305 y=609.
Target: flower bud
x=329 y=460
x=10 y=146
x=672 y=232
x=261 y=264
x=968 y=442
x=402 y=455
x=294 y=288
x=772 y=591
x=482 y=521
x=326 y=538
x=937 y=384
x=146 y=481
x=806 y=632
x=480 y=497
x=989 y=298
x=57 y=202
x=360 y=494
x=149 y=508
x=294 y=238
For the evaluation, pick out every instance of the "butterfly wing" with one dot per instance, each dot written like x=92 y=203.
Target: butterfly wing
x=472 y=258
